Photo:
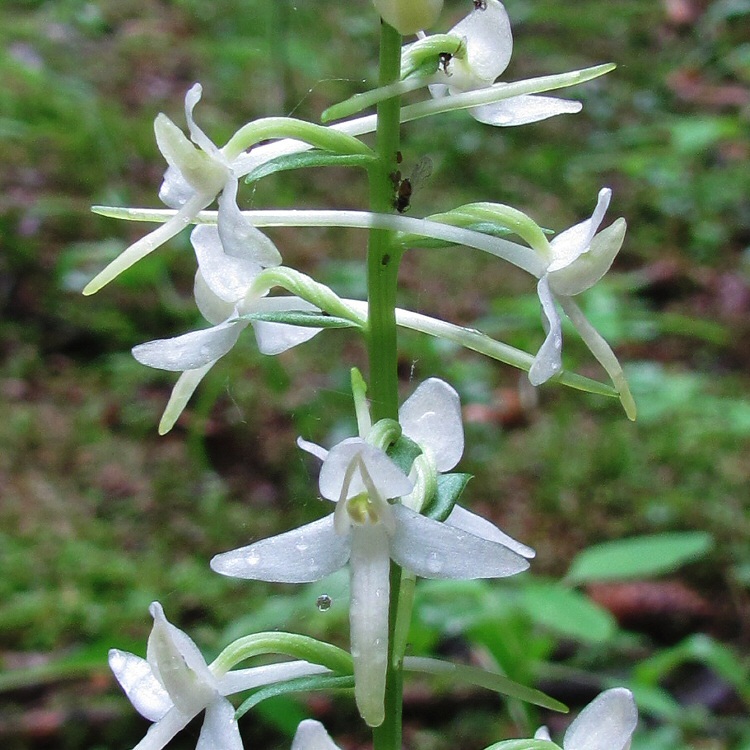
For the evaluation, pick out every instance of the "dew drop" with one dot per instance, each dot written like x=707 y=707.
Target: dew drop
x=253 y=558
x=324 y=603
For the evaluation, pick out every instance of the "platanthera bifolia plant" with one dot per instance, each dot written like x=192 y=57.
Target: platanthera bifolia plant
x=395 y=513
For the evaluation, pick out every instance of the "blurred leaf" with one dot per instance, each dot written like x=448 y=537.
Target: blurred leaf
x=568 y=613
x=639 y=557
x=308 y=159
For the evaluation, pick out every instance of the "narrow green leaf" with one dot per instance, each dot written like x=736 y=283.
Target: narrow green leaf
x=640 y=557
x=566 y=612
x=481 y=678
x=450 y=487
x=302 y=684
x=308 y=159
x=300 y=318
x=530 y=744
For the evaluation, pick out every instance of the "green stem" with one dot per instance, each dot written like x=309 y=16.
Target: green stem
x=382 y=278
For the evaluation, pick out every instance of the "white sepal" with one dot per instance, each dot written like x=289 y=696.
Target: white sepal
x=548 y=360
x=481 y=527
x=145 y=692
x=312 y=735
x=607 y=723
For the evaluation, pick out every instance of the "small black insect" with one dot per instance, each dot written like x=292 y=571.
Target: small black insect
x=443 y=59
x=480 y=4
x=404 y=187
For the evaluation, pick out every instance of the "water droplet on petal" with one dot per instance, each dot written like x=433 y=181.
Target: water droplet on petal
x=324 y=603
x=253 y=558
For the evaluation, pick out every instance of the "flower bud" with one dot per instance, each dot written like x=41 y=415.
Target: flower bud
x=409 y=16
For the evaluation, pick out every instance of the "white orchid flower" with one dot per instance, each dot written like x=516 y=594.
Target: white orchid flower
x=431 y=417
x=607 y=723
x=576 y=259
x=173 y=684
x=312 y=735
x=226 y=271
x=367 y=531
x=487 y=45
x=198 y=172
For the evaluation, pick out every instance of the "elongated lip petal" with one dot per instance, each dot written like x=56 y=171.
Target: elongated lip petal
x=160 y=733
x=438 y=550
x=548 y=360
x=431 y=417
x=312 y=735
x=302 y=555
x=523 y=110
x=181 y=392
x=190 y=351
x=368 y=616
x=219 y=728
x=481 y=527
x=607 y=723
x=137 y=679
x=389 y=480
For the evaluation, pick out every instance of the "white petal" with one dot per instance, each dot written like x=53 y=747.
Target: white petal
x=212 y=307
x=588 y=268
x=150 y=242
x=431 y=417
x=548 y=360
x=219 y=730
x=145 y=692
x=542 y=734
x=489 y=45
x=389 y=480
x=570 y=244
x=175 y=190
x=302 y=555
x=607 y=723
x=245 y=679
x=436 y=550
x=191 y=350
x=240 y=238
x=369 y=570
x=181 y=393
x=312 y=735
x=522 y=110
x=178 y=664
x=228 y=277
x=481 y=527
x=312 y=448
x=275 y=338
x=198 y=137
x=164 y=730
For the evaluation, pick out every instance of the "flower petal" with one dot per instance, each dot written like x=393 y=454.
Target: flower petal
x=431 y=417
x=227 y=276
x=219 y=730
x=238 y=235
x=542 y=734
x=489 y=46
x=178 y=664
x=136 y=678
x=164 y=730
x=302 y=555
x=437 y=550
x=481 y=527
x=245 y=679
x=192 y=97
x=572 y=243
x=607 y=723
x=312 y=735
x=584 y=272
x=522 y=110
x=369 y=570
x=389 y=480
x=191 y=350
x=212 y=307
x=312 y=448
x=275 y=338
x=181 y=392
x=175 y=190
x=548 y=360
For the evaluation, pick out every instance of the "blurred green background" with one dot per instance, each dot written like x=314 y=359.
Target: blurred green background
x=99 y=516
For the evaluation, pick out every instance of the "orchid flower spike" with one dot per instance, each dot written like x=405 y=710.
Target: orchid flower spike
x=312 y=735
x=575 y=260
x=223 y=293
x=367 y=531
x=484 y=54
x=198 y=172
x=607 y=723
x=173 y=684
